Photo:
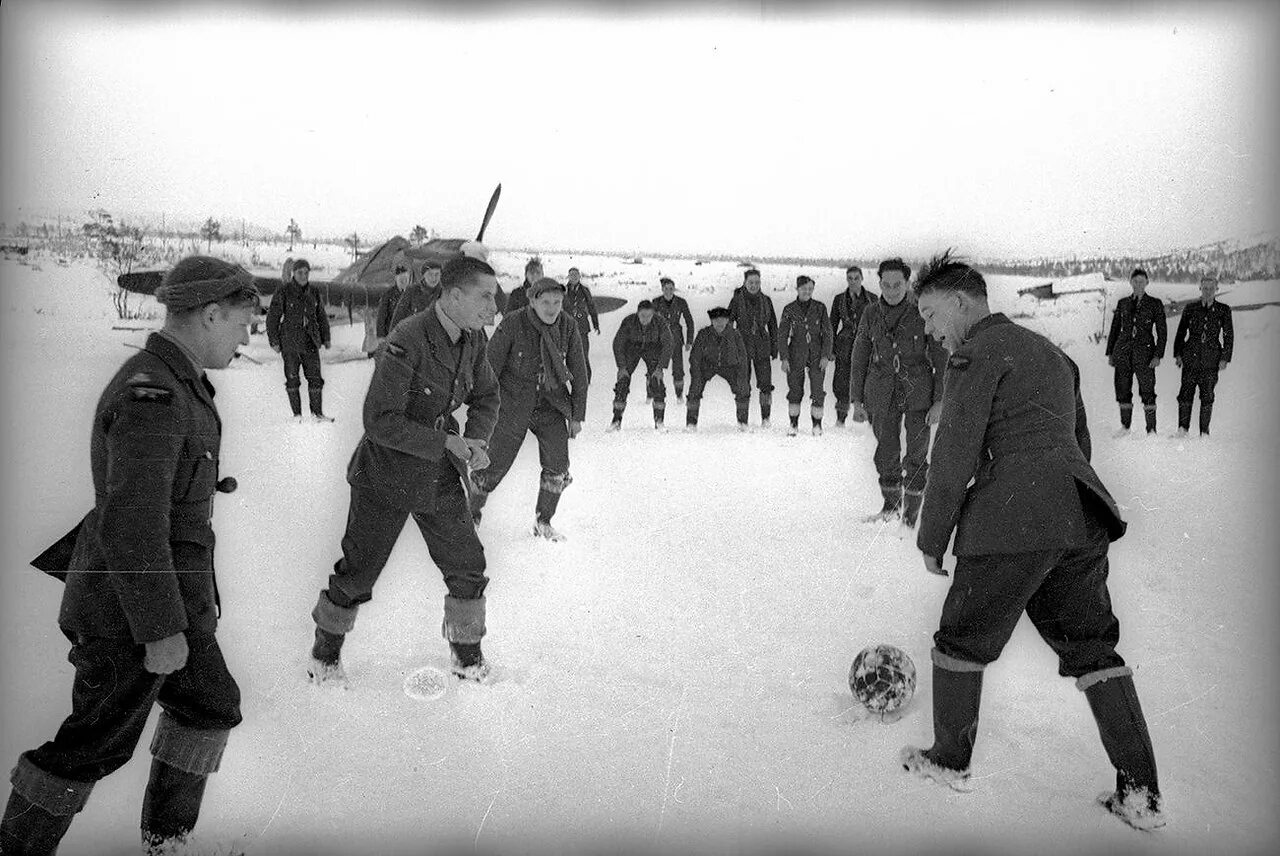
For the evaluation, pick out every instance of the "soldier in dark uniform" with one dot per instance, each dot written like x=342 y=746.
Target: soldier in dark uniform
x=419 y=295
x=1135 y=346
x=673 y=309
x=846 y=311
x=412 y=460
x=1202 y=347
x=140 y=605
x=519 y=297
x=297 y=328
x=1032 y=523
x=581 y=307
x=536 y=354
x=402 y=275
x=895 y=378
x=717 y=352
x=641 y=336
x=751 y=313
x=804 y=342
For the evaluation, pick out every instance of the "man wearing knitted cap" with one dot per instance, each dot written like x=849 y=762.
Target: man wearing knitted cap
x=297 y=328
x=537 y=355
x=419 y=295
x=140 y=605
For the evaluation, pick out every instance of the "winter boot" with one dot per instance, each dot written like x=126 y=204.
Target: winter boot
x=1114 y=702
x=333 y=623
x=618 y=408
x=1126 y=416
x=766 y=408
x=1206 y=413
x=680 y=391
x=740 y=410
x=842 y=415
x=659 y=412
x=40 y=810
x=892 y=505
x=464 y=627
x=542 y=528
x=171 y=806
x=550 y=488
x=794 y=429
x=316 y=396
x=957 y=697
x=911 y=501
x=295 y=400
x=1149 y=411
x=815 y=416
x=691 y=416
x=1184 y=415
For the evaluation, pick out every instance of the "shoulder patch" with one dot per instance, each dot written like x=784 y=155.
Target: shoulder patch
x=395 y=350
x=144 y=386
x=959 y=362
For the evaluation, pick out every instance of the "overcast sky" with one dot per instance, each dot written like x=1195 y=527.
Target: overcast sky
x=855 y=133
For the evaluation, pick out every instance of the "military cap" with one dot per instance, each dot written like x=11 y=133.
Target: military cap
x=197 y=280
x=644 y=304
x=544 y=285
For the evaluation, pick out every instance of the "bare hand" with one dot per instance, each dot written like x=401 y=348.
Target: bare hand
x=275 y=348
x=1155 y=361
x=165 y=656
x=934 y=416
x=786 y=367
x=1222 y=365
x=1177 y=361
x=458 y=447
x=479 y=458
x=822 y=364
x=688 y=346
x=859 y=412
x=933 y=565
x=1111 y=361
x=574 y=427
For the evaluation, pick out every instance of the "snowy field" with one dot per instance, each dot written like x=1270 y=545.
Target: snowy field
x=676 y=672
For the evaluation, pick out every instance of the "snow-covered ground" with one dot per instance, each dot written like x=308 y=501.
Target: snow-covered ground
x=677 y=670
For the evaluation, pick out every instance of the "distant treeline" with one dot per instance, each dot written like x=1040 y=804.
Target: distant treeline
x=1259 y=262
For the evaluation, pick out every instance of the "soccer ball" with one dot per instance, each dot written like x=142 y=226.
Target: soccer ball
x=883 y=678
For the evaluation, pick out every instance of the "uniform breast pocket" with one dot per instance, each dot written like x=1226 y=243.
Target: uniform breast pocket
x=198 y=468
x=421 y=406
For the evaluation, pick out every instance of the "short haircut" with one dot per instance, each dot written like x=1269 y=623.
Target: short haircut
x=463 y=271
x=803 y=280
x=895 y=263
x=1208 y=277
x=750 y=272
x=666 y=280
x=852 y=268
x=431 y=264
x=574 y=270
x=643 y=305
x=1139 y=272
x=534 y=262
x=946 y=272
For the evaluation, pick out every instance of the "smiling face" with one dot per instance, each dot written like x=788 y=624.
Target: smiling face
x=473 y=305
x=219 y=331
x=719 y=323
x=668 y=289
x=431 y=277
x=893 y=287
x=944 y=317
x=753 y=284
x=548 y=304
x=804 y=291
x=574 y=276
x=402 y=278
x=854 y=279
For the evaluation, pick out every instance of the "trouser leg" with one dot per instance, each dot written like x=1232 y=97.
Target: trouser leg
x=315 y=383
x=1208 y=381
x=292 y=382
x=886 y=425
x=1124 y=391
x=1186 y=397
x=552 y=431
x=1147 y=392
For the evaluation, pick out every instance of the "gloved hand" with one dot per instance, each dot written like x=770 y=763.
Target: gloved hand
x=574 y=427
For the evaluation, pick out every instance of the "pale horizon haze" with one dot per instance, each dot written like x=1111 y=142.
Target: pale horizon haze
x=825 y=131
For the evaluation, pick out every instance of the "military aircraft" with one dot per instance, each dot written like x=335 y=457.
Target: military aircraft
x=362 y=283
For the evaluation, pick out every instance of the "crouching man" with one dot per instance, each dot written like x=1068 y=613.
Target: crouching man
x=718 y=351
x=1031 y=534
x=140 y=605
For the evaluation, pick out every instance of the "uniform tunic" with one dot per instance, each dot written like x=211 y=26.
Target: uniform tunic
x=846 y=312
x=1204 y=340
x=674 y=311
x=717 y=355
x=804 y=340
x=634 y=342
x=753 y=317
x=1138 y=334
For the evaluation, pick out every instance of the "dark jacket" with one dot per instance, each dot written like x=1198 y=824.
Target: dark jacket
x=1205 y=336
x=715 y=352
x=296 y=319
x=846 y=311
x=672 y=311
x=1138 y=330
x=1014 y=424
x=142 y=563
x=634 y=340
x=895 y=363
x=416 y=298
x=419 y=380
x=518 y=299
x=579 y=303
x=754 y=319
x=387 y=310
x=515 y=354
x=804 y=332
